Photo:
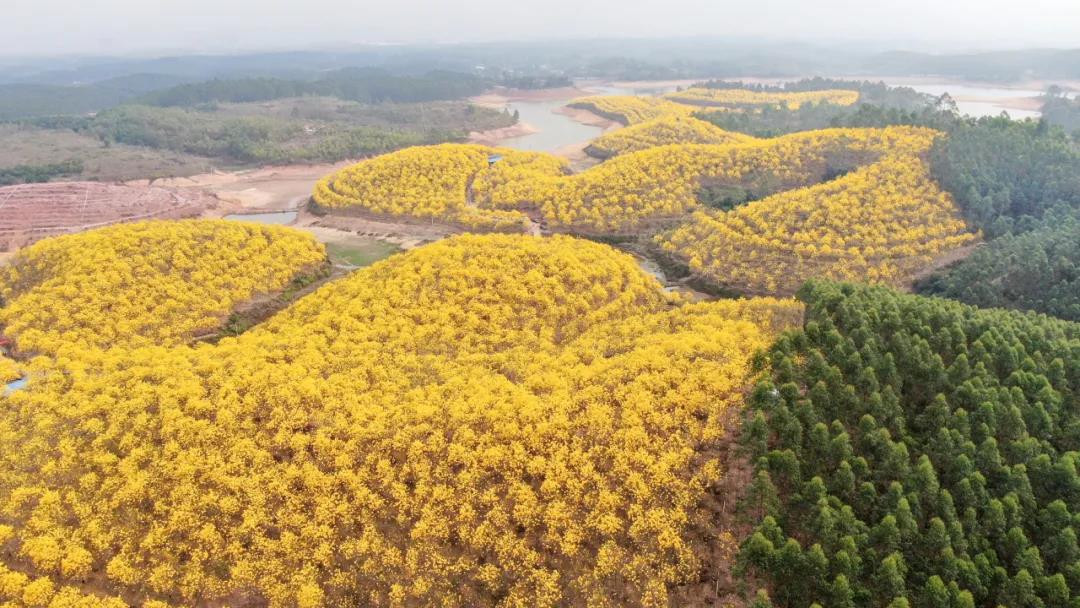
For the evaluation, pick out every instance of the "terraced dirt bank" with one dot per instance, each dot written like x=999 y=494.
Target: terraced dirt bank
x=31 y=212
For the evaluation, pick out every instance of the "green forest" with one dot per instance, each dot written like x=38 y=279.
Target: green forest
x=365 y=85
x=261 y=138
x=912 y=451
x=1019 y=182
x=242 y=121
x=291 y=130
x=29 y=174
x=1038 y=269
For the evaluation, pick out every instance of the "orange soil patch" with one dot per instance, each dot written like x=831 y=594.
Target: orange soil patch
x=30 y=212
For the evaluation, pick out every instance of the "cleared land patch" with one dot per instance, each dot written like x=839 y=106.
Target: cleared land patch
x=30 y=212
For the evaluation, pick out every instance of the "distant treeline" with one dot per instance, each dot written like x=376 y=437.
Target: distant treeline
x=625 y=59
x=999 y=66
x=29 y=174
x=249 y=139
x=21 y=101
x=353 y=84
x=34 y=102
x=535 y=82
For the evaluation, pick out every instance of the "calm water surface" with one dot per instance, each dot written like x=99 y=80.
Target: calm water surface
x=555 y=130
x=275 y=217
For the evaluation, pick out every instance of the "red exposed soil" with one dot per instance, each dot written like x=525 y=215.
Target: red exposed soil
x=30 y=212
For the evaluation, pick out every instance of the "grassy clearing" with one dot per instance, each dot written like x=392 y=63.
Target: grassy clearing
x=360 y=251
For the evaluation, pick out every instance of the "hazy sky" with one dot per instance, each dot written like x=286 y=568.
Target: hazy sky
x=124 y=26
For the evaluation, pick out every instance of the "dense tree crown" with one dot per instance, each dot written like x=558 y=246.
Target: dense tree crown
x=881 y=224
x=1019 y=183
x=437 y=182
x=487 y=420
x=916 y=452
x=1034 y=270
x=674 y=129
x=743 y=98
x=631 y=109
x=144 y=283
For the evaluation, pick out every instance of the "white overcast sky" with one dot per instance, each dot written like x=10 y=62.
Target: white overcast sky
x=50 y=27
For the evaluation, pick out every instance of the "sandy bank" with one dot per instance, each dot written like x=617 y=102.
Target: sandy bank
x=586 y=117
x=494 y=136
x=266 y=189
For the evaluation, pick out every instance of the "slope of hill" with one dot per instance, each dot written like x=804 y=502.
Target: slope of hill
x=483 y=420
x=916 y=452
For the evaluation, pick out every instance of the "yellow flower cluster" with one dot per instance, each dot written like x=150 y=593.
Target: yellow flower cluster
x=491 y=220
x=636 y=191
x=675 y=129
x=880 y=224
x=156 y=282
x=743 y=98
x=9 y=370
x=17 y=590
x=631 y=109
x=487 y=420
x=434 y=182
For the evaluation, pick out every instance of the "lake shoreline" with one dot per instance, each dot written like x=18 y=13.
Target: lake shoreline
x=494 y=136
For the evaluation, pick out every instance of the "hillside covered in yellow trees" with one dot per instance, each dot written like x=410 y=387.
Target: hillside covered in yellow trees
x=880 y=224
x=883 y=221
x=487 y=420
x=146 y=283
x=673 y=129
x=630 y=109
x=742 y=98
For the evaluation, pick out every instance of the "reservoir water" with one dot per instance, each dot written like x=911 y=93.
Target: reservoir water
x=274 y=217
x=555 y=130
x=977 y=100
